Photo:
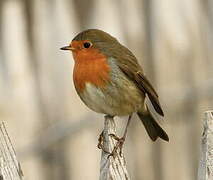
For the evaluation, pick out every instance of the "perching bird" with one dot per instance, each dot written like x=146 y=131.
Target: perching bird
x=109 y=80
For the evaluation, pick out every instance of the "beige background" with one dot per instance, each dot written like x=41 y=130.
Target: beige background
x=54 y=133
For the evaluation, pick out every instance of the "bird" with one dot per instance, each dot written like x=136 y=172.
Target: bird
x=109 y=80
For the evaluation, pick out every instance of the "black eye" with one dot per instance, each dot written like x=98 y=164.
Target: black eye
x=87 y=44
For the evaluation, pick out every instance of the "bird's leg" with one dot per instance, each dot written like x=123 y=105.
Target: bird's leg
x=120 y=141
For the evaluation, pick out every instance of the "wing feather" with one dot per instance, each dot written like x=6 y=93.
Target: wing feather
x=128 y=63
x=144 y=85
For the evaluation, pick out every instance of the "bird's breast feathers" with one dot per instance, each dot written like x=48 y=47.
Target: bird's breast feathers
x=90 y=68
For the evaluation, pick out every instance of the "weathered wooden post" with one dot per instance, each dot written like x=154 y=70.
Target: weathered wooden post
x=205 y=170
x=10 y=168
x=111 y=168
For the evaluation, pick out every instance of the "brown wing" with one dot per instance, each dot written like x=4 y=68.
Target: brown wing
x=143 y=84
x=128 y=63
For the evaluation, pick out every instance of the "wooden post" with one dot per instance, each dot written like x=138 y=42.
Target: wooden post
x=9 y=166
x=111 y=168
x=205 y=171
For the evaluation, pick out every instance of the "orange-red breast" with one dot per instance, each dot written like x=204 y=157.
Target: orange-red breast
x=109 y=79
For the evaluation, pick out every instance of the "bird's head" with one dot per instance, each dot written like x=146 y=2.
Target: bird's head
x=91 y=42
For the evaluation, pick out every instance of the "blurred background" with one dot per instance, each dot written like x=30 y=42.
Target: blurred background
x=54 y=133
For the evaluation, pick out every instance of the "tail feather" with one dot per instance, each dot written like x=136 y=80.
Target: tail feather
x=152 y=127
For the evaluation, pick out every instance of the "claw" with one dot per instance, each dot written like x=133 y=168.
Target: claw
x=100 y=140
x=114 y=137
x=119 y=145
x=100 y=143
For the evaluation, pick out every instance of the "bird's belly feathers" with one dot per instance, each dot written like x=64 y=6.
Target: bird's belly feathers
x=120 y=99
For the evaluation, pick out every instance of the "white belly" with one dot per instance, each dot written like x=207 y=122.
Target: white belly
x=113 y=100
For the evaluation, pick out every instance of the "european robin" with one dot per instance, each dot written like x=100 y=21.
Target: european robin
x=109 y=80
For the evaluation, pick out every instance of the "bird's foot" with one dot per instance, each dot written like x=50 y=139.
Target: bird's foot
x=118 y=146
x=101 y=143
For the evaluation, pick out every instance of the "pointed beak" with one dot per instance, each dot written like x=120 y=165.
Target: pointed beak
x=68 y=48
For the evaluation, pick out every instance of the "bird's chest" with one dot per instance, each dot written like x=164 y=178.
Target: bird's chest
x=94 y=71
